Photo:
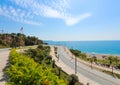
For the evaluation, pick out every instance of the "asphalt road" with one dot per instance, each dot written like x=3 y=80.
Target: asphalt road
x=92 y=74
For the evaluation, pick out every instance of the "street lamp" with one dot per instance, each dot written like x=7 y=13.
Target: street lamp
x=75 y=65
x=91 y=59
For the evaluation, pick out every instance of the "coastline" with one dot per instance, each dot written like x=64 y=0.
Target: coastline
x=100 y=56
x=99 y=47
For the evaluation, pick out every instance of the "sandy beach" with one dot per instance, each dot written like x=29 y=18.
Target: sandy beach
x=100 y=56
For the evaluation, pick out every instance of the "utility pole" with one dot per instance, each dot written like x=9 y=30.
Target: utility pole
x=75 y=65
x=58 y=57
x=2 y=31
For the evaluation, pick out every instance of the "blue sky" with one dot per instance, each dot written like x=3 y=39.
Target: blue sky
x=62 y=19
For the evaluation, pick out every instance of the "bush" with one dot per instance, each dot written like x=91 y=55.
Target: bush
x=73 y=79
x=24 y=70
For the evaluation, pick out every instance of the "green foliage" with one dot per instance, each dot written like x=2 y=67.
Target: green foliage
x=75 y=52
x=79 y=54
x=73 y=79
x=16 y=40
x=62 y=74
x=53 y=64
x=40 y=54
x=55 y=50
x=83 y=56
x=109 y=61
x=24 y=70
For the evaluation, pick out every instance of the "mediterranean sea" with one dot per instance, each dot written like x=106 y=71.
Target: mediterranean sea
x=98 y=47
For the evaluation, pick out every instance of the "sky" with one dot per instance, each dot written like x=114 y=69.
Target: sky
x=62 y=20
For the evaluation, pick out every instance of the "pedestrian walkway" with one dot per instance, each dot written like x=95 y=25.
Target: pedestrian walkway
x=70 y=71
x=3 y=63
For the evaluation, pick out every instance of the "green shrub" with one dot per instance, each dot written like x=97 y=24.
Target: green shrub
x=24 y=70
x=73 y=79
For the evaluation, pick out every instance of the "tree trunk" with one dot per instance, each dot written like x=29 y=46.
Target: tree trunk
x=91 y=66
x=112 y=69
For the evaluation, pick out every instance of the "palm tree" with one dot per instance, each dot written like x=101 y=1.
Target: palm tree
x=91 y=61
x=116 y=60
x=104 y=57
x=111 y=61
x=94 y=59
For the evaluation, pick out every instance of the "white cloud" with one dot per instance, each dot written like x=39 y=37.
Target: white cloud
x=17 y=15
x=50 y=9
x=74 y=20
x=32 y=22
x=48 y=12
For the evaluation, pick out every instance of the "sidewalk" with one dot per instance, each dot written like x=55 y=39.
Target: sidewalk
x=87 y=63
x=70 y=71
x=3 y=63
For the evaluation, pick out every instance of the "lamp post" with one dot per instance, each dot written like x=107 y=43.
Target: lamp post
x=75 y=65
x=91 y=59
x=58 y=57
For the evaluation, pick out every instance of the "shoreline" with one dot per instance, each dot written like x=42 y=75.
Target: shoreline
x=100 y=53
x=100 y=56
x=99 y=47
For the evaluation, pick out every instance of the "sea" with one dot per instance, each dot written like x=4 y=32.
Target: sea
x=98 y=47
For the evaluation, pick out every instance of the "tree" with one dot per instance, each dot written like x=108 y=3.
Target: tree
x=59 y=70
x=91 y=61
x=48 y=59
x=53 y=64
x=104 y=57
x=117 y=60
x=94 y=59
x=16 y=40
x=111 y=61
x=75 y=52
x=83 y=56
x=73 y=79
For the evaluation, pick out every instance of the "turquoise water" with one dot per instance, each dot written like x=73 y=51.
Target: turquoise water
x=99 y=47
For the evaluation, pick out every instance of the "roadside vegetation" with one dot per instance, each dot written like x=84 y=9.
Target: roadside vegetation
x=112 y=62
x=36 y=67
x=24 y=70
x=55 y=50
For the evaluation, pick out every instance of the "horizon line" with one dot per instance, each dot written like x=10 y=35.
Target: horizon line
x=80 y=40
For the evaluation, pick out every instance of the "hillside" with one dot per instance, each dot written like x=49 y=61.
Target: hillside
x=18 y=39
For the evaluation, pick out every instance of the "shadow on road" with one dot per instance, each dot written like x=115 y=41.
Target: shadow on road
x=4 y=76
